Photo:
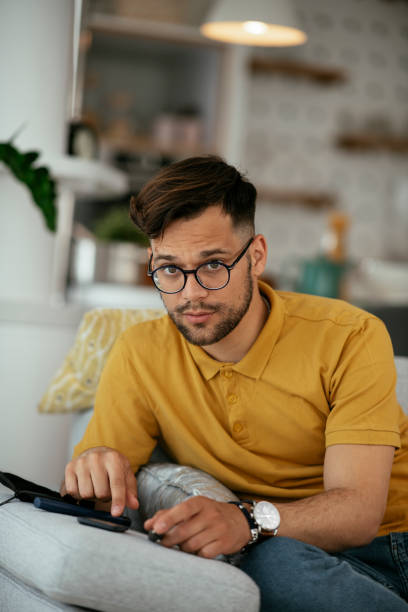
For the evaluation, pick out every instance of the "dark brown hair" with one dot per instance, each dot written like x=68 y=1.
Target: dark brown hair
x=186 y=188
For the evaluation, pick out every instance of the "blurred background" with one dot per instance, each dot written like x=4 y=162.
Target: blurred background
x=110 y=91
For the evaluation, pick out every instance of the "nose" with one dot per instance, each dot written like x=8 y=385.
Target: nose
x=193 y=290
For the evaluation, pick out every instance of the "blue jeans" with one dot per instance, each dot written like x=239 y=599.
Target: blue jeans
x=298 y=577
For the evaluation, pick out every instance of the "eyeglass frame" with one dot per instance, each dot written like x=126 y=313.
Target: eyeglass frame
x=195 y=270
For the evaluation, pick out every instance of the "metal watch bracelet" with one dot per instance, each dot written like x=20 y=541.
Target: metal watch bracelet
x=253 y=526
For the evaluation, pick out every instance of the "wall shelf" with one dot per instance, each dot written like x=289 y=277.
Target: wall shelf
x=129 y=26
x=88 y=177
x=139 y=76
x=369 y=141
x=310 y=199
x=321 y=74
x=84 y=177
x=140 y=144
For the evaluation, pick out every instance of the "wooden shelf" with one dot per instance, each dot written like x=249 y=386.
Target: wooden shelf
x=145 y=144
x=310 y=199
x=369 y=141
x=314 y=72
x=129 y=26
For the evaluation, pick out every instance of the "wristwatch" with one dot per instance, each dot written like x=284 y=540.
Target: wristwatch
x=263 y=518
x=267 y=517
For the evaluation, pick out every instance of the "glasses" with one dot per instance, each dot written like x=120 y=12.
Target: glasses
x=212 y=275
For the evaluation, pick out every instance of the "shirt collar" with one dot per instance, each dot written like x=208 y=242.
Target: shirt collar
x=254 y=362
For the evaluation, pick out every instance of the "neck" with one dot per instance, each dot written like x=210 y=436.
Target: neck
x=236 y=345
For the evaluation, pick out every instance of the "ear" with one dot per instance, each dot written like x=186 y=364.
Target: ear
x=259 y=253
x=149 y=258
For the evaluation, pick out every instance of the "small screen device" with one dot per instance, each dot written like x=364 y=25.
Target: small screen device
x=102 y=523
x=154 y=537
x=54 y=505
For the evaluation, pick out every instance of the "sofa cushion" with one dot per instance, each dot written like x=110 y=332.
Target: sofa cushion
x=113 y=572
x=74 y=384
x=16 y=596
x=401 y=364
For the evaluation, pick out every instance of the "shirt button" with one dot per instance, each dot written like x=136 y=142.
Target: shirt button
x=238 y=427
x=232 y=399
x=227 y=373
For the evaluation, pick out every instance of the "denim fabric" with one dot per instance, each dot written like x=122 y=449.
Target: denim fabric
x=298 y=577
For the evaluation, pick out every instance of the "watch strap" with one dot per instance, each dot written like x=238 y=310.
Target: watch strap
x=253 y=526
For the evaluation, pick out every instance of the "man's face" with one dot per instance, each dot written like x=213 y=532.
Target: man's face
x=204 y=316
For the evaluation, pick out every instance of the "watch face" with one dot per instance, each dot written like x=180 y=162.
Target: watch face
x=267 y=516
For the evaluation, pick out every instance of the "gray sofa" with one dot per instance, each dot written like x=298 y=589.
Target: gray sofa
x=51 y=562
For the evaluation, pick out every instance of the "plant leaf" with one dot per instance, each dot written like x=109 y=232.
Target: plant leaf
x=38 y=180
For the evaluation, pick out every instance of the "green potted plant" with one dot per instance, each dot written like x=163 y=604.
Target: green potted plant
x=118 y=251
x=36 y=178
x=116 y=226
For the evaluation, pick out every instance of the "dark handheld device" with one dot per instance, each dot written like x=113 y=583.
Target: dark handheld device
x=102 y=523
x=154 y=537
x=54 y=505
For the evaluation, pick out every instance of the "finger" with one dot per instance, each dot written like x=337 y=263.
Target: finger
x=189 y=533
x=161 y=523
x=148 y=524
x=117 y=485
x=100 y=482
x=70 y=485
x=85 y=485
x=131 y=490
x=210 y=550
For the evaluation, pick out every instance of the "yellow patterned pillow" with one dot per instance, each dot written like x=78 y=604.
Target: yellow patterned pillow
x=74 y=385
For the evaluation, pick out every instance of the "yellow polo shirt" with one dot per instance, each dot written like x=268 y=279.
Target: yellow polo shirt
x=321 y=372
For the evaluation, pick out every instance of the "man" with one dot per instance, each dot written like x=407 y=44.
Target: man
x=283 y=397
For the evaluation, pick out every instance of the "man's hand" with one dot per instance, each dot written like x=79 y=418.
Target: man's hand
x=102 y=473
x=202 y=526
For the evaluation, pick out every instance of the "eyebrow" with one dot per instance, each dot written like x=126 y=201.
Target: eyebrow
x=202 y=254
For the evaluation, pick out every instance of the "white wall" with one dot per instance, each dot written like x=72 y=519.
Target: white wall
x=36 y=40
x=292 y=124
x=32 y=445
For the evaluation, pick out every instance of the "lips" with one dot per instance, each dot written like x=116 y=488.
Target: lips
x=198 y=317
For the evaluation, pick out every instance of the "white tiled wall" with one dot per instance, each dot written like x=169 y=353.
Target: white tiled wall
x=292 y=124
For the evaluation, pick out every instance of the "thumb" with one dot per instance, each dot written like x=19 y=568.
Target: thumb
x=131 y=491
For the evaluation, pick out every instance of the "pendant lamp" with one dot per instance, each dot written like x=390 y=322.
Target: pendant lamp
x=266 y=23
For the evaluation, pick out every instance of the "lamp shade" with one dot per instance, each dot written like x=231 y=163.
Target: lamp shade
x=266 y=23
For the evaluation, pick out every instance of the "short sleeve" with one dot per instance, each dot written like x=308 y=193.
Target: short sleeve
x=363 y=403
x=122 y=417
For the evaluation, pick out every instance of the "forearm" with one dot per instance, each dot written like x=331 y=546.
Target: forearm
x=334 y=520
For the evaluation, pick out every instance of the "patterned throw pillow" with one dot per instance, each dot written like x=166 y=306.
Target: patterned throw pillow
x=74 y=385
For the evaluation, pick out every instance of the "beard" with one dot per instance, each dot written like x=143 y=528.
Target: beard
x=203 y=335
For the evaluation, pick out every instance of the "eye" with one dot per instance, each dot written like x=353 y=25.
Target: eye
x=213 y=266
x=170 y=270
